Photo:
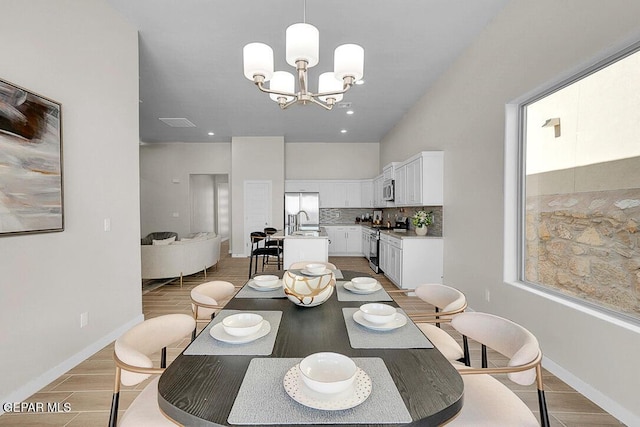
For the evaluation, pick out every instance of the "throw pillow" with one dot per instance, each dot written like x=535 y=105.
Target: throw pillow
x=164 y=241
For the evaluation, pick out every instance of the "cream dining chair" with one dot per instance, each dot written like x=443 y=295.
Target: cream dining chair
x=209 y=298
x=447 y=303
x=132 y=353
x=303 y=264
x=487 y=401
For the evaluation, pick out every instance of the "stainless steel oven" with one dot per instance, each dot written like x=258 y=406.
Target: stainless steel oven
x=374 y=250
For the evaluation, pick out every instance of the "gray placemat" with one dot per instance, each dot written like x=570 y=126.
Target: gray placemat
x=248 y=292
x=206 y=345
x=345 y=295
x=262 y=399
x=408 y=336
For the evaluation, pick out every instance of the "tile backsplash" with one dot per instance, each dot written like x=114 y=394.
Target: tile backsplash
x=329 y=216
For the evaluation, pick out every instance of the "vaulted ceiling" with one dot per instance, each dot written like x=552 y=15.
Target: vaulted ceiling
x=191 y=63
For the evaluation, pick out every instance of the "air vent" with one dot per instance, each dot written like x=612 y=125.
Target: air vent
x=177 y=122
x=343 y=105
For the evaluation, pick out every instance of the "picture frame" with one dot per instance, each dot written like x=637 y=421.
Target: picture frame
x=31 y=179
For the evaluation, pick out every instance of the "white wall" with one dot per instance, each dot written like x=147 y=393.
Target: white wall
x=332 y=160
x=527 y=45
x=85 y=56
x=160 y=165
x=255 y=159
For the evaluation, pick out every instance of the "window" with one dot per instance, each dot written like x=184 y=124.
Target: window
x=580 y=177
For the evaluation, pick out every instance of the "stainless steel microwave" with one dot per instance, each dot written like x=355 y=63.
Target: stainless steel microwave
x=387 y=190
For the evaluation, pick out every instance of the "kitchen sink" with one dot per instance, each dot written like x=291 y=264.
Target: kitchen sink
x=306 y=233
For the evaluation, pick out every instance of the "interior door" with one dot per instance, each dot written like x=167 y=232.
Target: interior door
x=257 y=209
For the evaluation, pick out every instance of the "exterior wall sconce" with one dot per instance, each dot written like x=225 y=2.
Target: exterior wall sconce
x=555 y=123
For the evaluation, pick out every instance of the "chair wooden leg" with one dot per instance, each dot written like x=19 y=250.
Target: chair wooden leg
x=250 y=264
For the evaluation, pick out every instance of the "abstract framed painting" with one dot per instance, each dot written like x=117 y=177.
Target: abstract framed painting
x=31 y=194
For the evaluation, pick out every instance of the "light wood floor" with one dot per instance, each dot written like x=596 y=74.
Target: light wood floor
x=88 y=387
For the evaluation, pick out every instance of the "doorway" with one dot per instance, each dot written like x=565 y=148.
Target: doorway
x=209 y=203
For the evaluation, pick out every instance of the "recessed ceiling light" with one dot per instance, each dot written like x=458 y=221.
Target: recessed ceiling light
x=360 y=82
x=211 y=134
x=343 y=131
x=350 y=112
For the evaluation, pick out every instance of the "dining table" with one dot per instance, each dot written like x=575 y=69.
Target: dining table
x=405 y=380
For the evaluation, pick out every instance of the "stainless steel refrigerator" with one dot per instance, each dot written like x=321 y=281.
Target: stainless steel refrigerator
x=301 y=211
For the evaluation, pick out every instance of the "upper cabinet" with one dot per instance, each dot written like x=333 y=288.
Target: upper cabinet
x=333 y=194
x=301 y=186
x=340 y=194
x=420 y=180
x=367 y=195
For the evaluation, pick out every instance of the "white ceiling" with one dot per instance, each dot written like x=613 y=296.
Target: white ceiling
x=191 y=63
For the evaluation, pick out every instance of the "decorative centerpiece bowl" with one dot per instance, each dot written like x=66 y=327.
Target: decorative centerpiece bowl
x=308 y=291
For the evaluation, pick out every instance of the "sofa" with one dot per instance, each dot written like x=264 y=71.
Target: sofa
x=170 y=257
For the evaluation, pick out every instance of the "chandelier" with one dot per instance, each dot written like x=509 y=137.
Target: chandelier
x=302 y=52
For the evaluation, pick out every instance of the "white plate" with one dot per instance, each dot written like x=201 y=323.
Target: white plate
x=253 y=285
x=218 y=332
x=349 y=398
x=399 y=321
x=349 y=286
x=308 y=273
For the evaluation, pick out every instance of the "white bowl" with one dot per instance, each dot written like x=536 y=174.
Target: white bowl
x=364 y=283
x=315 y=268
x=328 y=372
x=378 y=313
x=265 y=280
x=242 y=324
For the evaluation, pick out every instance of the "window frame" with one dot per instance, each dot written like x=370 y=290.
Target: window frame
x=515 y=190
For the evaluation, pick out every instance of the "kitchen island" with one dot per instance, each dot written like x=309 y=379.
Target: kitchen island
x=305 y=245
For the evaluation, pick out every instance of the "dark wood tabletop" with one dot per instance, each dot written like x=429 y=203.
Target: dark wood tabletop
x=200 y=390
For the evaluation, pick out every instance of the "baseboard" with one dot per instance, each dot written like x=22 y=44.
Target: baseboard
x=45 y=379
x=612 y=407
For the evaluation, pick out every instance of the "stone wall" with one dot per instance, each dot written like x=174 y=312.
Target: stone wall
x=586 y=245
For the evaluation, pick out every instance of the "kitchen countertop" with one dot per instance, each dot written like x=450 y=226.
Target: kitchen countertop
x=409 y=234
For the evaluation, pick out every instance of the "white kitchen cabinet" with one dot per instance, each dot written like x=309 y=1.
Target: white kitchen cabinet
x=400 y=185
x=366 y=195
x=298 y=248
x=340 y=194
x=366 y=244
x=409 y=262
x=419 y=180
x=345 y=240
x=388 y=172
x=377 y=192
x=301 y=186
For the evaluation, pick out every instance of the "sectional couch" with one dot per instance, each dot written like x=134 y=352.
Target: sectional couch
x=189 y=255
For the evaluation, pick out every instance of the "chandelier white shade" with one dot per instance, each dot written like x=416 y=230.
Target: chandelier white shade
x=282 y=81
x=302 y=51
x=258 y=59
x=303 y=44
